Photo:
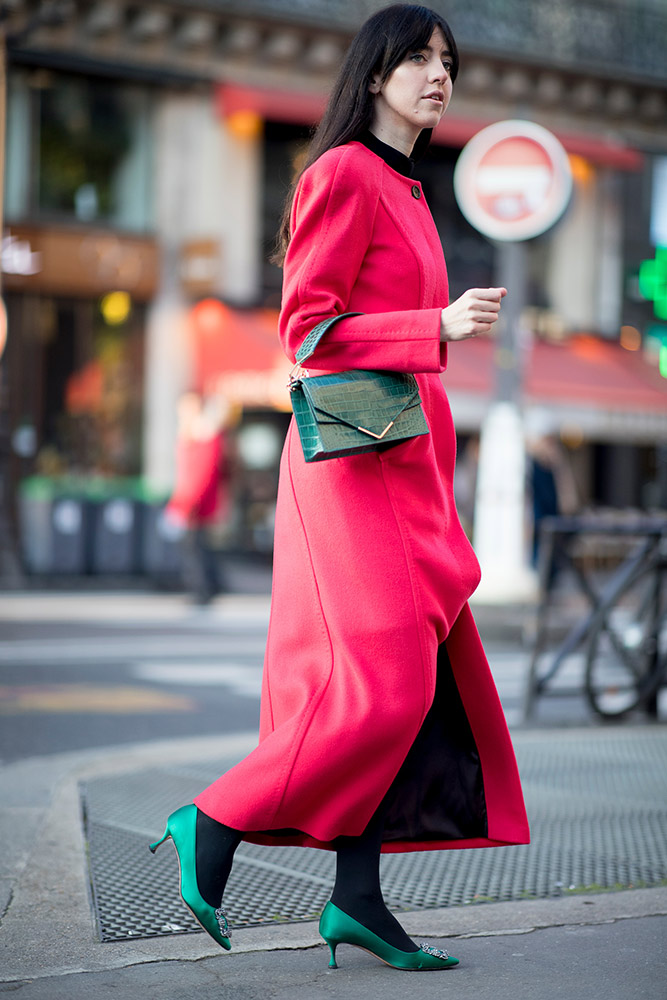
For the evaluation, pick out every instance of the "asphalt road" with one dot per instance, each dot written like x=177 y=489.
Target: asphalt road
x=84 y=670
x=73 y=684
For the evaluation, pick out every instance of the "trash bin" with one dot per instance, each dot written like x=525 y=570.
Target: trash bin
x=161 y=550
x=69 y=535
x=115 y=533
x=54 y=520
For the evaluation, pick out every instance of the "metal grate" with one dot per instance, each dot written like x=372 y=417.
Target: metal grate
x=597 y=803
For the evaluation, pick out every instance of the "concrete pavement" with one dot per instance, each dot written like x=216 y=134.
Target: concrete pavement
x=622 y=960
x=48 y=946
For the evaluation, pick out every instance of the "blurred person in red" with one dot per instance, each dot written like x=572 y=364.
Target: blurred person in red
x=201 y=495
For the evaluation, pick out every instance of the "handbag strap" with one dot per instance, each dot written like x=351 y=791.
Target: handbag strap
x=312 y=340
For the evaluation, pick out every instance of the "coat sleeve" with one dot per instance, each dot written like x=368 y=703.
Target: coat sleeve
x=332 y=227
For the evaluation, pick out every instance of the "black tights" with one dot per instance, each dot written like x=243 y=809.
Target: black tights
x=215 y=853
x=357 y=888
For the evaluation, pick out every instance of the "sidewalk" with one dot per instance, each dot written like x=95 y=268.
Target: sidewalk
x=591 y=945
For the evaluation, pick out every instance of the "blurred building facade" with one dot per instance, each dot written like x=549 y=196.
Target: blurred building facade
x=148 y=152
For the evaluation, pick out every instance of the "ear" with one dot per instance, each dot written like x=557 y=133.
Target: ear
x=375 y=85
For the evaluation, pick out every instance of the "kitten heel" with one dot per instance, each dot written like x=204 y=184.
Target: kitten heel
x=332 y=948
x=153 y=847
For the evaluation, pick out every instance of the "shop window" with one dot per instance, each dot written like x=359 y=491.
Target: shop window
x=283 y=146
x=79 y=149
x=81 y=385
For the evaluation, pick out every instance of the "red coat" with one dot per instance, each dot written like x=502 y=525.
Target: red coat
x=372 y=569
x=197 y=496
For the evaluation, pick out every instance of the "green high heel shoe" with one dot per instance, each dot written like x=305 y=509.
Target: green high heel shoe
x=336 y=927
x=182 y=829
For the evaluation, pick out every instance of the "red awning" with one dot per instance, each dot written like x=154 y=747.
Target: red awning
x=242 y=348
x=295 y=107
x=226 y=339
x=302 y=108
x=583 y=370
x=238 y=351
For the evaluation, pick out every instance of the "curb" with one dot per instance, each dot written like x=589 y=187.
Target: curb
x=48 y=927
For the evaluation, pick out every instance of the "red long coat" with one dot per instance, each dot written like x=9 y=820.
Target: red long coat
x=198 y=496
x=372 y=569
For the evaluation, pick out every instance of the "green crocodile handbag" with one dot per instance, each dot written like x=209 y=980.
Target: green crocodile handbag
x=352 y=412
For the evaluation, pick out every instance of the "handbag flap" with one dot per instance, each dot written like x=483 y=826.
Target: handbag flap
x=367 y=401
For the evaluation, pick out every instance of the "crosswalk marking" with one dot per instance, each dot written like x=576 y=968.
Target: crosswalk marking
x=110 y=648
x=239 y=678
x=90 y=699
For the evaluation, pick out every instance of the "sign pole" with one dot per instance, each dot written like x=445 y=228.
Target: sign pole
x=499 y=528
x=508 y=367
x=10 y=571
x=512 y=182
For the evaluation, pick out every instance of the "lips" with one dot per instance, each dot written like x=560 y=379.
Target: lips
x=435 y=95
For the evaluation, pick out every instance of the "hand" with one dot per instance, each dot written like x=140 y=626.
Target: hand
x=473 y=313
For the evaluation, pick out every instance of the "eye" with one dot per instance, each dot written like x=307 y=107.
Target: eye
x=418 y=57
x=449 y=65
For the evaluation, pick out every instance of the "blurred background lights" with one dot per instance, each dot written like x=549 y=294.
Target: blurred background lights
x=209 y=315
x=631 y=338
x=653 y=281
x=245 y=124
x=655 y=340
x=572 y=436
x=582 y=170
x=3 y=326
x=115 y=308
x=259 y=445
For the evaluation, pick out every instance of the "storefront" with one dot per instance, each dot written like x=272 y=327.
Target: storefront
x=148 y=157
x=76 y=348
x=79 y=265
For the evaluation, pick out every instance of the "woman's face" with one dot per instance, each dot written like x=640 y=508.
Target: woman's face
x=415 y=96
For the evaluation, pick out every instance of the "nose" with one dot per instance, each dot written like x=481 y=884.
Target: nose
x=438 y=72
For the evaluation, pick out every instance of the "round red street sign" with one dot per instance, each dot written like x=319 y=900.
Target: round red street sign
x=513 y=180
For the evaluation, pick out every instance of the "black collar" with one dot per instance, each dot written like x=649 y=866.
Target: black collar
x=398 y=161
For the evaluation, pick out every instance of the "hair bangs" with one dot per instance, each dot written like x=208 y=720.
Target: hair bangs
x=409 y=31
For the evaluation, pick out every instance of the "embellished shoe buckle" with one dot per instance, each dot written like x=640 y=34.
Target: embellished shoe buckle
x=223 y=922
x=430 y=950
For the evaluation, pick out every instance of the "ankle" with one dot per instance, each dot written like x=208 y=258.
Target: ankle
x=215 y=846
x=369 y=900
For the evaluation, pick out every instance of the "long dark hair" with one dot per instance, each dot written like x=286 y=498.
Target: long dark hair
x=381 y=43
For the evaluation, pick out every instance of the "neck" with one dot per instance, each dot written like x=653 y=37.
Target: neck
x=400 y=141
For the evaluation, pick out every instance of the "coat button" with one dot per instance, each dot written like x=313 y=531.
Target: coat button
x=416 y=193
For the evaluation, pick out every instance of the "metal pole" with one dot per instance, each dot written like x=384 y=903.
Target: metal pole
x=499 y=534
x=10 y=570
x=511 y=275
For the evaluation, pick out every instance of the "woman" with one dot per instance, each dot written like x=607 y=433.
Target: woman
x=380 y=728
x=200 y=498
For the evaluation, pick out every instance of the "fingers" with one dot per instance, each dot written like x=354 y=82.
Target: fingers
x=493 y=294
x=474 y=313
x=487 y=297
x=485 y=306
x=484 y=309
